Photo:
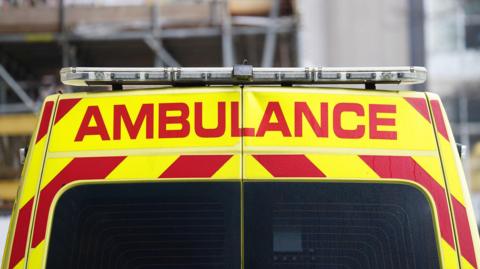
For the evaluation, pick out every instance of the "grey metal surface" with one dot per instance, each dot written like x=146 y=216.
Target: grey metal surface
x=269 y=47
x=227 y=36
x=161 y=53
x=17 y=88
x=87 y=76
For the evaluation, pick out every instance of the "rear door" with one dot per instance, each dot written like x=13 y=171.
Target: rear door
x=378 y=146
x=141 y=136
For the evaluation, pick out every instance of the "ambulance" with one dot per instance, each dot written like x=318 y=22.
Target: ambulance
x=243 y=168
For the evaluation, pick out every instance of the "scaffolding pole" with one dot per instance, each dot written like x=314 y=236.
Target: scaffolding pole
x=271 y=35
x=162 y=56
x=19 y=91
x=227 y=36
x=154 y=41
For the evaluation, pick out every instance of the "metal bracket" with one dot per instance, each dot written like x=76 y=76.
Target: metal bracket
x=242 y=72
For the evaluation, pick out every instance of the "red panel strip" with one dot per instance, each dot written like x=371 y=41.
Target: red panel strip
x=439 y=120
x=86 y=168
x=21 y=234
x=405 y=167
x=289 y=165
x=64 y=106
x=44 y=121
x=420 y=104
x=464 y=233
x=195 y=166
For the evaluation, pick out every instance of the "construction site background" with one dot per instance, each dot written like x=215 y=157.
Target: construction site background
x=37 y=38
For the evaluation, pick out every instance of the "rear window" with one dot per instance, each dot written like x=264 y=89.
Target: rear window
x=148 y=225
x=338 y=225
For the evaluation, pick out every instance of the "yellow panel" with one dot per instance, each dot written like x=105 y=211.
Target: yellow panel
x=450 y=167
x=53 y=167
x=67 y=134
x=466 y=264
x=19 y=265
x=30 y=179
x=455 y=177
x=142 y=167
x=335 y=166
x=32 y=171
x=449 y=255
x=37 y=256
x=401 y=119
x=432 y=166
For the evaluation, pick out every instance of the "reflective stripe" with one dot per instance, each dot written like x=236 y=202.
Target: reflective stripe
x=420 y=104
x=289 y=165
x=86 y=168
x=195 y=166
x=64 y=106
x=439 y=121
x=405 y=167
x=463 y=230
x=21 y=234
x=44 y=121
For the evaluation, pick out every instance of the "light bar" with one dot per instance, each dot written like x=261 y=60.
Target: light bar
x=242 y=74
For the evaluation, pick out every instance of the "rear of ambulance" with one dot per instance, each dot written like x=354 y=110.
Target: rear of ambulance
x=243 y=176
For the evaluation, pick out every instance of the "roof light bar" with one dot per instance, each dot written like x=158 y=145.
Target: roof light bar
x=241 y=74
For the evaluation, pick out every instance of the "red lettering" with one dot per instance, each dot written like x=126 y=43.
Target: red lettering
x=93 y=112
x=214 y=132
x=375 y=121
x=164 y=120
x=339 y=131
x=302 y=109
x=267 y=125
x=120 y=114
x=236 y=130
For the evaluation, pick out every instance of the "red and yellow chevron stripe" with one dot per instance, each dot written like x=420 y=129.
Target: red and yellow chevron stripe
x=266 y=134
x=21 y=223
x=377 y=168
x=62 y=171
x=462 y=210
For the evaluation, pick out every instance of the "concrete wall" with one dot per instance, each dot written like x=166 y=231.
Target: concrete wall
x=4 y=222
x=353 y=33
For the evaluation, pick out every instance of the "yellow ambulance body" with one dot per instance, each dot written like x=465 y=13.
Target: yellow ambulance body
x=243 y=176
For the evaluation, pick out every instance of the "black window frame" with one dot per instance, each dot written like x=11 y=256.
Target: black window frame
x=260 y=233
x=60 y=237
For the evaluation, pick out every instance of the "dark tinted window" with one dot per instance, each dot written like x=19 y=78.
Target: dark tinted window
x=338 y=225
x=163 y=225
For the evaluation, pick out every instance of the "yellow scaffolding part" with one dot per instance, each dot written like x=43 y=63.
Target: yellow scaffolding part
x=17 y=124
x=8 y=189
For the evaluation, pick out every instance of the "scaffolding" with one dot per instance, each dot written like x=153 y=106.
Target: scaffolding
x=149 y=27
x=38 y=38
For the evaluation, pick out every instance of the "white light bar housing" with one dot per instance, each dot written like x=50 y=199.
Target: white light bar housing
x=242 y=74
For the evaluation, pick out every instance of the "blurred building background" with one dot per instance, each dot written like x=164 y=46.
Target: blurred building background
x=38 y=37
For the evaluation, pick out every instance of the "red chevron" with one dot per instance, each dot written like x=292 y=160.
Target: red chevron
x=195 y=166
x=463 y=231
x=439 y=120
x=405 y=167
x=64 y=106
x=420 y=105
x=85 y=168
x=289 y=165
x=44 y=121
x=21 y=233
